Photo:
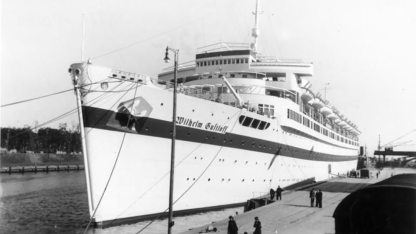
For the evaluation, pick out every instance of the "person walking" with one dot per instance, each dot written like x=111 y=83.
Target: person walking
x=272 y=194
x=257 y=225
x=279 y=193
x=319 y=198
x=232 y=226
x=312 y=195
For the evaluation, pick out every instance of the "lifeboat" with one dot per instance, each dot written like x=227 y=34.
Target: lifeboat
x=326 y=110
x=342 y=124
x=316 y=102
x=332 y=116
x=307 y=96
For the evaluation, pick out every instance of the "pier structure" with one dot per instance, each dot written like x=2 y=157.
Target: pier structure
x=293 y=214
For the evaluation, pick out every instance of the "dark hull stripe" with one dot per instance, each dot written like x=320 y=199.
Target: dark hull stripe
x=106 y=119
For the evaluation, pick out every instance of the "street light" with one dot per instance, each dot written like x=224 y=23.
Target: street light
x=172 y=157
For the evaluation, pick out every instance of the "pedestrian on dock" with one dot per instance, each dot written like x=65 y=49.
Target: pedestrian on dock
x=312 y=195
x=319 y=198
x=232 y=226
x=272 y=194
x=279 y=193
x=257 y=225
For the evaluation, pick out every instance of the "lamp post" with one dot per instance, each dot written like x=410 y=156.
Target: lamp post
x=172 y=157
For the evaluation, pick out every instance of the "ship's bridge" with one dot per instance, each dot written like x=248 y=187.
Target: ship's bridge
x=227 y=57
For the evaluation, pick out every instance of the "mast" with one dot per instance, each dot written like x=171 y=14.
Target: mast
x=255 y=30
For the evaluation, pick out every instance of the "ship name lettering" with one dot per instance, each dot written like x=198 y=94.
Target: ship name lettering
x=216 y=127
x=213 y=127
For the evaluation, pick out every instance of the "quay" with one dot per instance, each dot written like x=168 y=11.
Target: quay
x=41 y=168
x=293 y=214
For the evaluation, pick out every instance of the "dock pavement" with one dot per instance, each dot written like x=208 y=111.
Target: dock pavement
x=293 y=214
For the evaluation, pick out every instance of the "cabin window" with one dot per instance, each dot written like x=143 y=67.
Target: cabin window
x=244 y=75
x=241 y=119
x=255 y=123
x=247 y=121
x=220 y=62
x=246 y=60
x=262 y=125
x=216 y=62
x=237 y=61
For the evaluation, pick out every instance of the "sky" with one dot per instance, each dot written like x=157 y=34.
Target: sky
x=365 y=50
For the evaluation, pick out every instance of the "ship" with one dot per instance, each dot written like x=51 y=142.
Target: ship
x=244 y=123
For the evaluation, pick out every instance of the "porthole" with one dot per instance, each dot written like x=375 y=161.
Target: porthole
x=209 y=179
x=187 y=178
x=193 y=179
x=193 y=110
x=242 y=180
x=235 y=161
x=123 y=77
x=161 y=103
x=104 y=85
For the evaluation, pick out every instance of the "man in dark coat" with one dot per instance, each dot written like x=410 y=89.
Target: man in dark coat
x=279 y=193
x=257 y=225
x=312 y=195
x=271 y=194
x=319 y=198
x=232 y=226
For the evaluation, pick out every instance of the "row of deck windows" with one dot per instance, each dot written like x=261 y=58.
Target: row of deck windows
x=252 y=122
x=221 y=62
x=315 y=126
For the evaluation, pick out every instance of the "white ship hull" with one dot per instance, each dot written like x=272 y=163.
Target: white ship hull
x=218 y=160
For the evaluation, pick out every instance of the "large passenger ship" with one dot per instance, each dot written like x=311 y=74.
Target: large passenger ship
x=245 y=123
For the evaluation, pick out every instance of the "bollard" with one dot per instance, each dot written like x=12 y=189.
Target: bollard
x=10 y=170
x=23 y=170
x=36 y=169
x=47 y=169
x=57 y=168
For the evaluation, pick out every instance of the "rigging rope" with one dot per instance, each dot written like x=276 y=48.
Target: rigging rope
x=146 y=39
x=65 y=114
x=36 y=98
x=47 y=95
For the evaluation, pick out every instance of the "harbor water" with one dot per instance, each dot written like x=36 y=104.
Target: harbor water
x=57 y=203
